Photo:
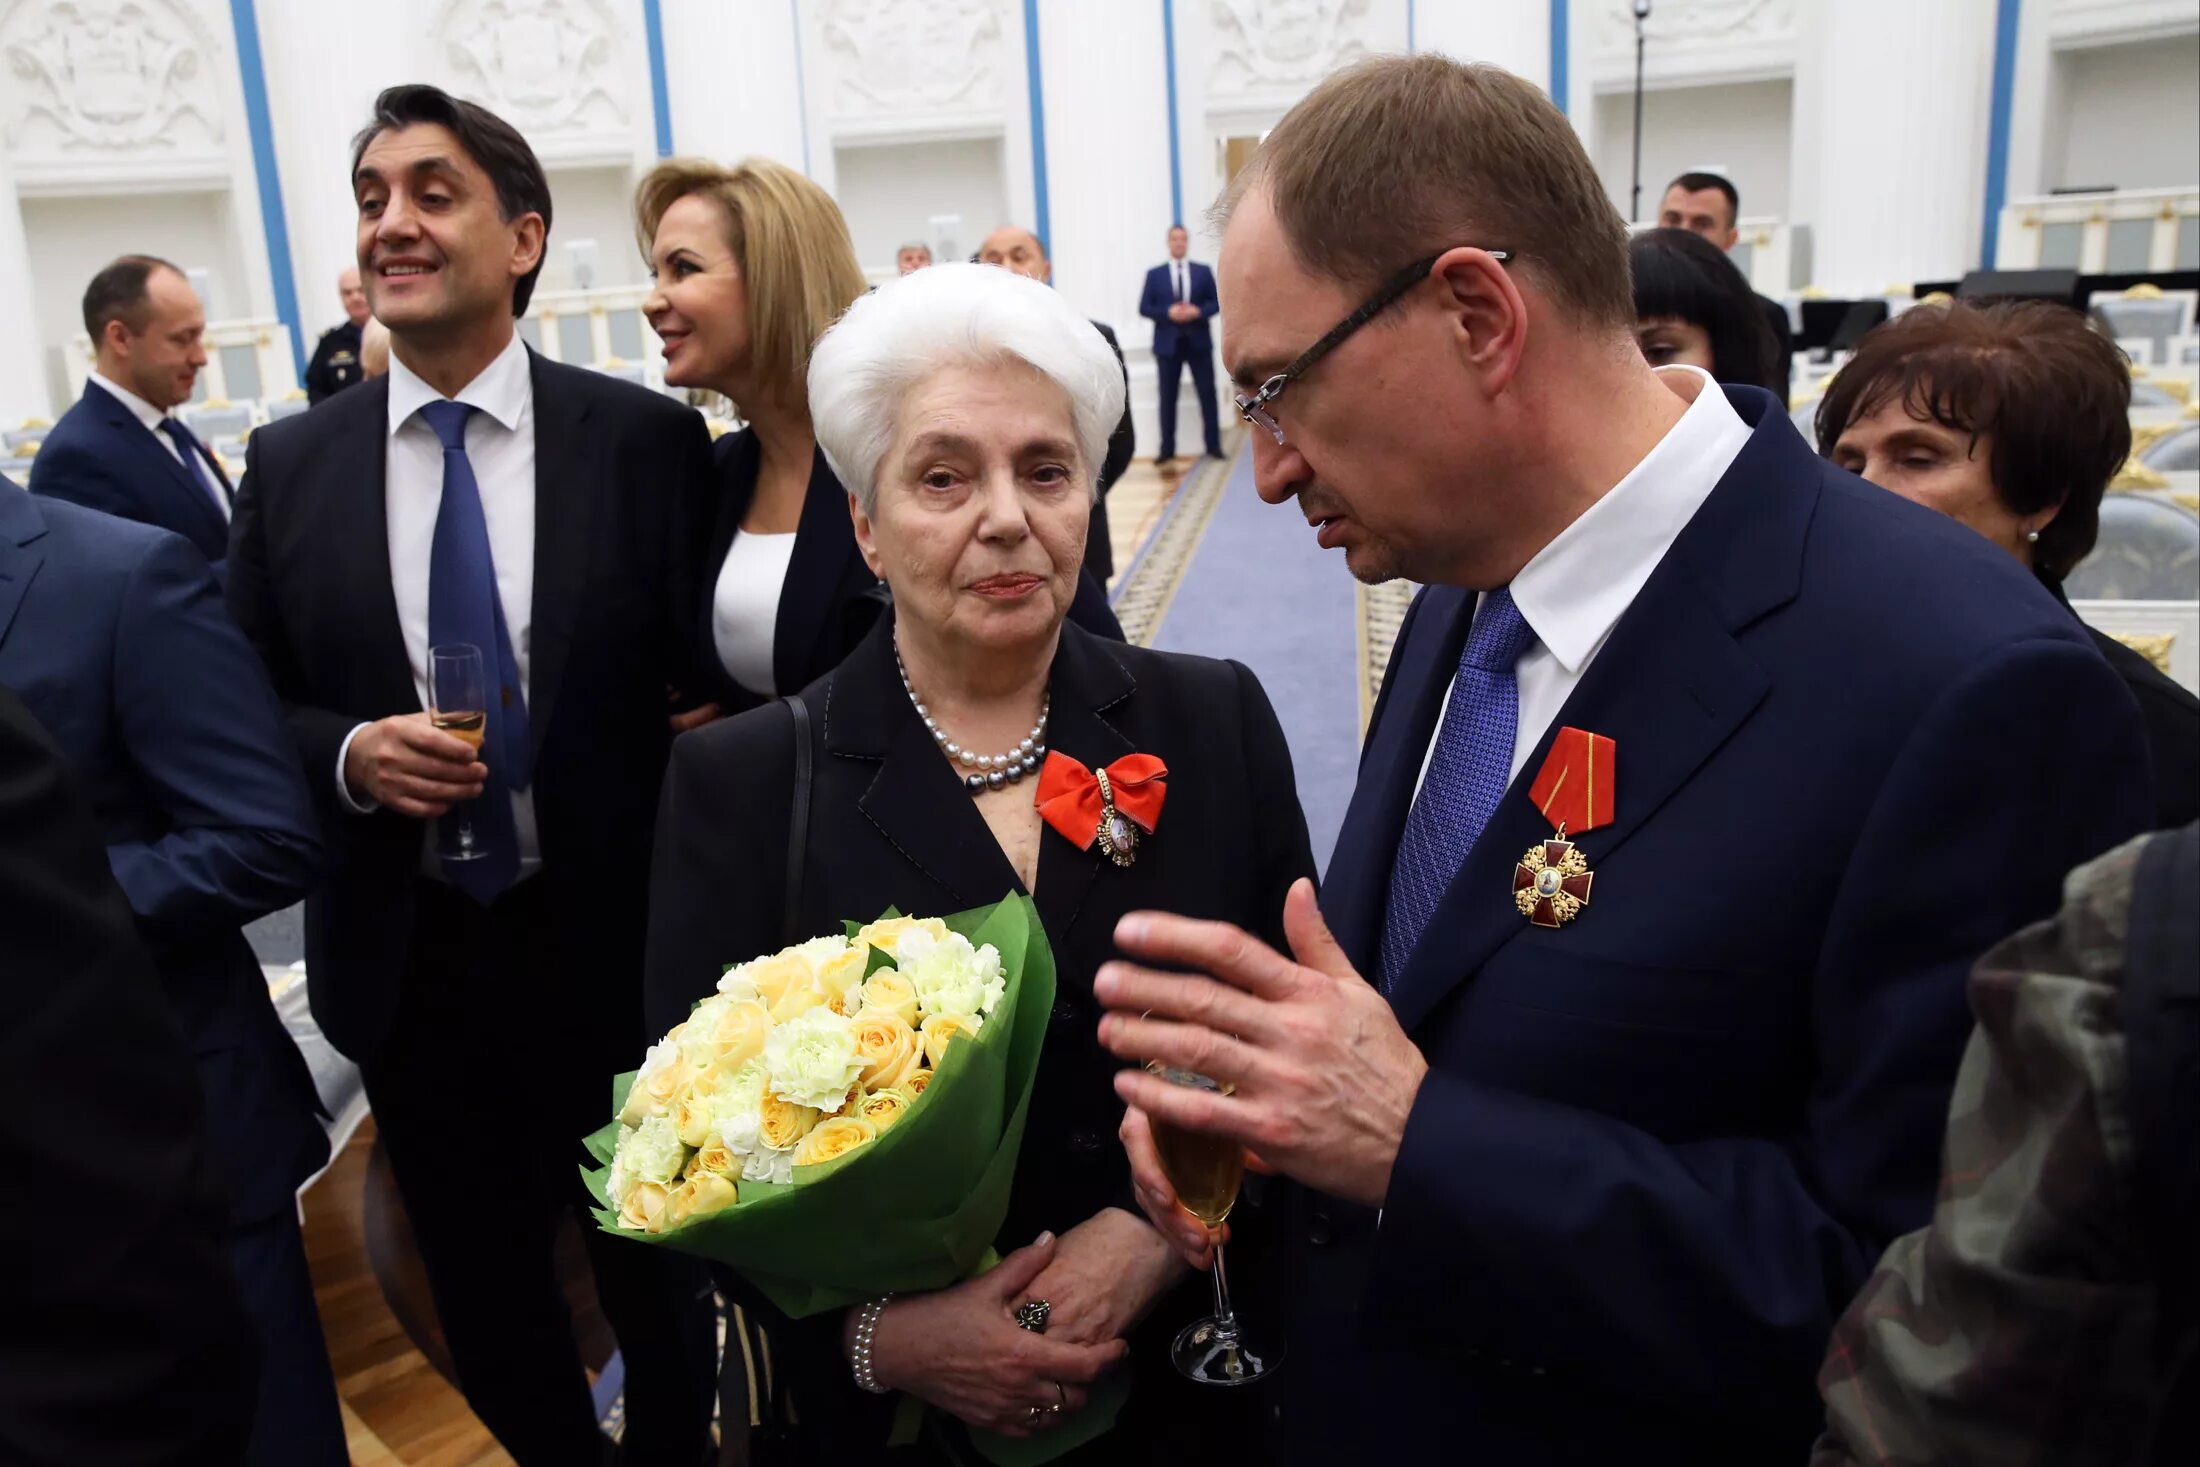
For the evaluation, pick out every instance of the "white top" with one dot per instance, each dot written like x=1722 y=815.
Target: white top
x=1577 y=587
x=207 y=475
x=744 y=611
x=500 y=444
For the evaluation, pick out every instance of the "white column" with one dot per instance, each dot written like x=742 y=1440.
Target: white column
x=1514 y=34
x=1107 y=116
x=23 y=390
x=1892 y=192
x=734 y=79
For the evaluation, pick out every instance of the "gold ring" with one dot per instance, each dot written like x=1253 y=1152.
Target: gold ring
x=1061 y=1398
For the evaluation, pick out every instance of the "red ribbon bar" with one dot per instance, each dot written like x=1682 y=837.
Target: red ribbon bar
x=1576 y=785
x=1069 y=794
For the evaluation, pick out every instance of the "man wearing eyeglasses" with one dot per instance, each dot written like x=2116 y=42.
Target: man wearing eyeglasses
x=1617 y=1048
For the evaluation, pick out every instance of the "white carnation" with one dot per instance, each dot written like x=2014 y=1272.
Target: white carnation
x=818 y=950
x=813 y=1059
x=768 y=1166
x=614 y=1187
x=736 y=987
x=952 y=977
x=653 y=1153
x=735 y=1107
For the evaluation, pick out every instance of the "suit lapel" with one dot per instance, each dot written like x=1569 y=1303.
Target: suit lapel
x=356 y=470
x=21 y=528
x=1088 y=686
x=156 y=463
x=568 y=480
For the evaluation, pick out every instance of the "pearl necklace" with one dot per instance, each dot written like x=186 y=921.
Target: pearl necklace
x=993 y=771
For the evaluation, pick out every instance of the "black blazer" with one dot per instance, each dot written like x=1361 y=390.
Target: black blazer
x=830 y=599
x=100 y=456
x=124 y=1332
x=2172 y=719
x=891 y=825
x=620 y=475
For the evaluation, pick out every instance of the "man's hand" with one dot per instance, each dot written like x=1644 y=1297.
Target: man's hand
x=1183 y=311
x=409 y=765
x=1107 y=1272
x=1323 y=1077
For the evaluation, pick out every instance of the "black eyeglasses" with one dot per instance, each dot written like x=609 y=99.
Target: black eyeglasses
x=1254 y=409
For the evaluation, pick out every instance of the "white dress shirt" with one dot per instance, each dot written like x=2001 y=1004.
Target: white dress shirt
x=744 y=609
x=206 y=474
x=1577 y=587
x=500 y=444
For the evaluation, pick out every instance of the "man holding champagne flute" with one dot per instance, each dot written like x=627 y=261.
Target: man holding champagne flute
x=472 y=581
x=1700 y=774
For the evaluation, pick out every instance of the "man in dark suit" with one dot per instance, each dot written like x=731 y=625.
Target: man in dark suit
x=339 y=358
x=1013 y=247
x=545 y=515
x=1179 y=298
x=1710 y=205
x=121 y=448
x=114 y=635
x=124 y=1337
x=1700 y=774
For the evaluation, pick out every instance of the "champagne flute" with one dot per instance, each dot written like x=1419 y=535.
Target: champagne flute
x=1206 y=1171
x=458 y=704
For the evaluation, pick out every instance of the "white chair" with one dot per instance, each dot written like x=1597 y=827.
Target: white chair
x=32 y=432
x=2148 y=550
x=2174 y=452
x=2145 y=313
x=216 y=420
x=624 y=371
x=18 y=469
x=286 y=407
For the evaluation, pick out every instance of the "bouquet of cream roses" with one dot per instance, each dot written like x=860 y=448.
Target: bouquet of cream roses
x=841 y=1119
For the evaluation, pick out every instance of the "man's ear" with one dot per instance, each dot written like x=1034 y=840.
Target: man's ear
x=1488 y=314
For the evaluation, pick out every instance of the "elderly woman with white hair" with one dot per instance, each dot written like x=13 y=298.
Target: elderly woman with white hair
x=967 y=410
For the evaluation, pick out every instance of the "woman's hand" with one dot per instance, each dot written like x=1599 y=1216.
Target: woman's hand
x=694 y=717
x=1107 y=1272
x=1190 y=1238
x=961 y=1350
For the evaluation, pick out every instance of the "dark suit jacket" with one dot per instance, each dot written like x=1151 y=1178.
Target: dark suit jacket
x=124 y=1339
x=1658 y=1149
x=890 y=825
x=115 y=636
x=100 y=456
x=830 y=600
x=1170 y=337
x=2172 y=717
x=620 y=477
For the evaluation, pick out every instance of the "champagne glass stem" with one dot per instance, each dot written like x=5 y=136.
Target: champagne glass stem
x=1225 y=1316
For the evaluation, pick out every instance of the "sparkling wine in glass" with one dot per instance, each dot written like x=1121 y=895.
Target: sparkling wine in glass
x=1206 y=1171
x=458 y=703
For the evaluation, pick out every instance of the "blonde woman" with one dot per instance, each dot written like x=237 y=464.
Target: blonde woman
x=750 y=265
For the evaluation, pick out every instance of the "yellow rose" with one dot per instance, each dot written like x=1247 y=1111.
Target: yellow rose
x=699 y=1196
x=799 y=999
x=883 y=1107
x=778 y=975
x=735 y=1038
x=644 y=1208
x=715 y=1158
x=888 y=992
x=840 y=976
x=885 y=934
x=938 y=1031
x=834 y=1139
x=781 y=1123
x=915 y=1084
x=695 y=1112
x=889 y=1049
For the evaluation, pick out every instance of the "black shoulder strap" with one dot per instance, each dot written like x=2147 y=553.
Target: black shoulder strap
x=798 y=819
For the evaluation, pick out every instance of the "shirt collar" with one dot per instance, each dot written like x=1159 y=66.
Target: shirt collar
x=1577 y=587
x=139 y=408
x=503 y=389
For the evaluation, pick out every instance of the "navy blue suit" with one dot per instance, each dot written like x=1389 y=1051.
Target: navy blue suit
x=1180 y=345
x=114 y=636
x=1658 y=1149
x=100 y=456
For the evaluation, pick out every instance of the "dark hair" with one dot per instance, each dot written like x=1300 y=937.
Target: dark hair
x=117 y=293
x=1696 y=183
x=1684 y=275
x=494 y=144
x=2051 y=393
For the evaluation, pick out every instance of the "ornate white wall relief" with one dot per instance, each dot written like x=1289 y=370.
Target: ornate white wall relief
x=1694 y=41
x=1284 y=45
x=545 y=66
x=901 y=56
x=107 y=77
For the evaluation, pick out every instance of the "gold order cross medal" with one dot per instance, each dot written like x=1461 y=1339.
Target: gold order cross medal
x=1117 y=836
x=1573 y=790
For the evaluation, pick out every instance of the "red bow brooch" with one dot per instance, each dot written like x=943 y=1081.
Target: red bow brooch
x=1110 y=806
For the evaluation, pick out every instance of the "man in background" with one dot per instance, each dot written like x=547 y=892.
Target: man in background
x=1013 y=247
x=1179 y=299
x=121 y=448
x=337 y=361
x=912 y=257
x=1709 y=205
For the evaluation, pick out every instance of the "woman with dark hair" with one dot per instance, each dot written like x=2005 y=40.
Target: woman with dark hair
x=2011 y=418
x=1692 y=307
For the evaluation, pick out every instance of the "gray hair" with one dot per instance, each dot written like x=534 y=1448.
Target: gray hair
x=951 y=315
x=915 y=244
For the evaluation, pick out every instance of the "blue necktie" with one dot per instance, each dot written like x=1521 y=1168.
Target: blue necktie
x=194 y=460
x=1467 y=775
x=463 y=606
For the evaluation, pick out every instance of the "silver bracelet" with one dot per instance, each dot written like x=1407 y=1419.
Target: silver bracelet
x=866 y=1326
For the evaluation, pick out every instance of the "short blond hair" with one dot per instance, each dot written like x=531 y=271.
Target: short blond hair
x=789 y=242
x=1398 y=157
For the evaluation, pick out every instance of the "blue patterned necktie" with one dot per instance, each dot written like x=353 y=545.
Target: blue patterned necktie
x=463 y=607
x=194 y=460
x=1468 y=773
